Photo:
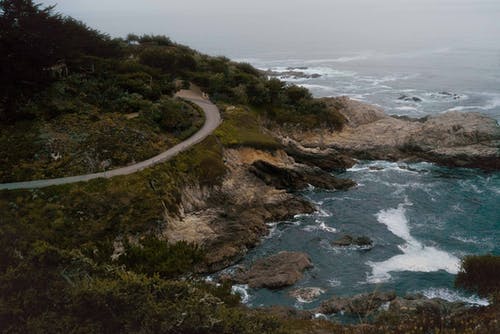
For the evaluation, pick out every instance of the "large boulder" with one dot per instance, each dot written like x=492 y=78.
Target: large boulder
x=276 y=271
x=306 y=295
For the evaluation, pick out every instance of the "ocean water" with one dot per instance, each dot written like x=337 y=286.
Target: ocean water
x=421 y=217
x=440 y=79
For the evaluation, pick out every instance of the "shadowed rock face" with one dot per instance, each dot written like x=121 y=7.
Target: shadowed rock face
x=288 y=178
x=328 y=160
x=452 y=139
x=361 y=304
x=277 y=271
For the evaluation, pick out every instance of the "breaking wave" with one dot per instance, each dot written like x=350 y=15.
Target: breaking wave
x=416 y=257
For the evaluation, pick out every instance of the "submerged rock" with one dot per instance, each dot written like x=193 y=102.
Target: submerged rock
x=276 y=271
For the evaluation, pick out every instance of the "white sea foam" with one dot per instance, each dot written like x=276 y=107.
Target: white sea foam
x=320 y=225
x=454 y=296
x=416 y=257
x=312 y=86
x=378 y=166
x=320 y=316
x=492 y=103
x=406 y=108
x=242 y=290
x=273 y=230
x=334 y=282
x=323 y=71
x=323 y=213
x=326 y=228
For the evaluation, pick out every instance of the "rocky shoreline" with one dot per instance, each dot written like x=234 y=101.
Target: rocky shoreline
x=261 y=186
x=453 y=139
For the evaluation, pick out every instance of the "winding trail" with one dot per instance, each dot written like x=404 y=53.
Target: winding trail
x=212 y=121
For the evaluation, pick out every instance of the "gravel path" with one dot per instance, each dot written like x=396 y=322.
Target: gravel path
x=212 y=121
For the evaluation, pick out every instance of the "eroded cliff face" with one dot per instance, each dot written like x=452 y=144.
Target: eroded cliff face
x=229 y=219
x=453 y=139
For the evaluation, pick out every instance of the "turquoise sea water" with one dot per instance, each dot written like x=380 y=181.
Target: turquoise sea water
x=422 y=219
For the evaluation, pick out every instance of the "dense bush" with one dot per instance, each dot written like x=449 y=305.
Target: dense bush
x=153 y=256
x=481 y=274
x=33 y=39
x=48 y=290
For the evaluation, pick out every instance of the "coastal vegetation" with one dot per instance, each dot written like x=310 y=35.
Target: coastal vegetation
x=480 y=274
x=91 y=257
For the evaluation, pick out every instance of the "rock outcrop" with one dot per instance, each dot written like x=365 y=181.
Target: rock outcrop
x=348 y=240
x=421 y=304
x=306 y=295
x=298 y=177
x=326 y=159
x=387 y=303
x=454 y=138
x=276 y=271
x=361 y=304
x=230 y=219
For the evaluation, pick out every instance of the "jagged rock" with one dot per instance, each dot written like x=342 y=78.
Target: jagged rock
x=348 y=240
x=410 y=98
x=276 y=271
x=283 y=177
x=361 y=304
x=292 y=73
x=329 y=160
x=306 y=295
x=424 y=305
x=242 y=227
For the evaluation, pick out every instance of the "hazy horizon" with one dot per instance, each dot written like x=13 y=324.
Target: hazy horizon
x=240 y=28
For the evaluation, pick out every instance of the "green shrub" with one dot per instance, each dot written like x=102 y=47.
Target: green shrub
x=241 y=128
x=153 y=256
x=130 y=103
x=480 y=273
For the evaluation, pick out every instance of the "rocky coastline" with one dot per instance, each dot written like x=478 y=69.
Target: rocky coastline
x=260 y=187
x=453 y=139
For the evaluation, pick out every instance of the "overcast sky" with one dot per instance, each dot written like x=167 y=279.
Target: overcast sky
x=238 y=27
